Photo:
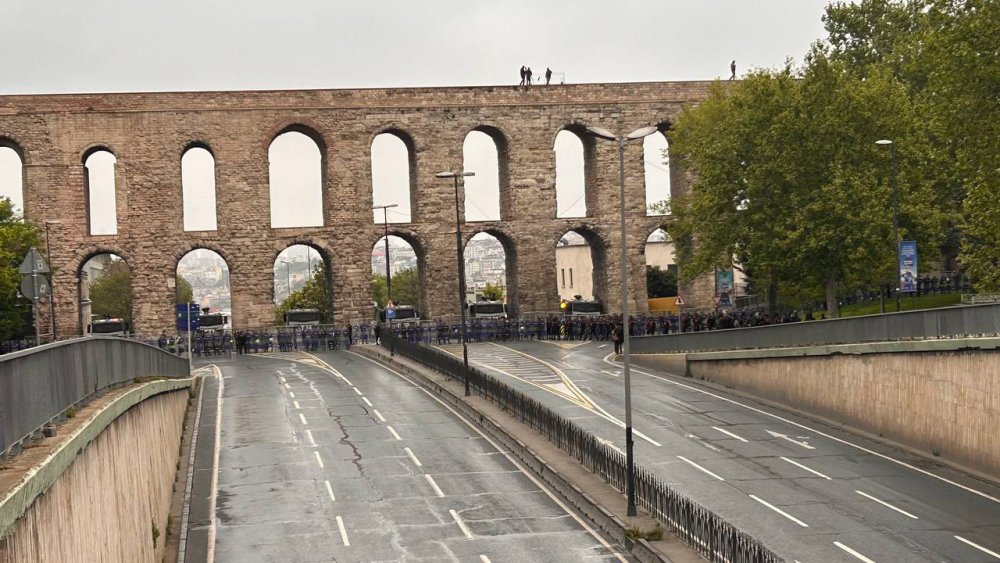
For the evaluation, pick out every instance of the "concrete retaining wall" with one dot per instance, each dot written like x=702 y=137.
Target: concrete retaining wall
x=99 y=496
x=939 y=397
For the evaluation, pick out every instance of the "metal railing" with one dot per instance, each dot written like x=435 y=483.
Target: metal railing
x=949 y=322
x=701 y=529
x=39 y=385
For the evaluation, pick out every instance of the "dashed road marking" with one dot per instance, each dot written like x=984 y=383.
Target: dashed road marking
x=852 y=552
x=434 y=485
x=779 y=511
x=343 y=531
x=319 y=460
x=291 y=394
x=393 y=432
x=461 y=524
x=413 y=457
x=329 y=491
x=484 y=559
x=310 y=435
x=367 y=402
x=730 y=434
x=379 y=415
x=296 y=403
x=698 y=467
x=358 y=391
x=813 y=471
x=979 y=547
x=303 y=419
x=887 y=505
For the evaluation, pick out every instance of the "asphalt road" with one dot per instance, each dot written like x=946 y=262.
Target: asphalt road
x=810 y=492
x=330 y=457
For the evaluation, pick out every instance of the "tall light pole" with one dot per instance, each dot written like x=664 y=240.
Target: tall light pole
x=461 y=271
x=388 y=272
x=52 y=293
x=629 y=459
x=895 y=214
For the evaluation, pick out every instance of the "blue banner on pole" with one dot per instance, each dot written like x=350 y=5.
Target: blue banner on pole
x=908 y=266
x=183 y=311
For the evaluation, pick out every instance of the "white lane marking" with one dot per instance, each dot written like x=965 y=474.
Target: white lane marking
x=291 y=394
x=319 y=460
x=609 y=444
x=461 y=524
x=437 y=489
x=296 y=403
x=329 y=491
x=611 y=373
x=813 y=471
x=413 y=457
x=213 y=499
x=887 y=505
x=852 y=552
x=311 y=441
x=531 y=477
x=329 y=368
x=379 y=415
x=698 y=467
x=303 y=419
x=484 y=559
x=358 y=391
x=281 y=379
x=343 y=531
x=700 y=441
x=779 y=511
x=287 y=386
x=814 y=431
x=796 y=442
x=393 y=432
x=730 y=434
x=367 y=402
x=979 y=547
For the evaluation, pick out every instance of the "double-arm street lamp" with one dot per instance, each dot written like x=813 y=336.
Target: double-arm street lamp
x=895 y=214
x=629 y=459
x=388 y=273
x=461 y=270
x=52 y=294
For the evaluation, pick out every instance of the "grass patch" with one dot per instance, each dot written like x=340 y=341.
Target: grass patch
x=636 y=533
x=905 y=304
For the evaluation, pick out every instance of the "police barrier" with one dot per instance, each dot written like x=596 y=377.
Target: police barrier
x=698 y=527
x=38 y=385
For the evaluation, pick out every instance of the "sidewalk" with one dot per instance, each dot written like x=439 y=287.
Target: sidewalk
x=598 y=501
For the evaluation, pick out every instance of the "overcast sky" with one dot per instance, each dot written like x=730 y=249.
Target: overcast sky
x=127 y=46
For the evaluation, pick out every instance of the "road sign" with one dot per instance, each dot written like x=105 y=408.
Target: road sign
x=183 y=311
x=35 y=286
x=33 y=263
x=390 y=313
x=679 y=302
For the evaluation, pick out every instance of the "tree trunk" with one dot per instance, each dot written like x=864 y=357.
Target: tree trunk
x=832 y=307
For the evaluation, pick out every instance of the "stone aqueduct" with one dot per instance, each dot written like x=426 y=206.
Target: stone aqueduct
x=148 y=133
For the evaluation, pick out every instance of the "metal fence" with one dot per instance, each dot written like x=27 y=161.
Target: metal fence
x=950 y=322
x=698 y=527
x=38 y=385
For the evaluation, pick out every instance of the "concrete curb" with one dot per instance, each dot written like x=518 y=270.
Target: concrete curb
x=40 y=478
x=598 y=515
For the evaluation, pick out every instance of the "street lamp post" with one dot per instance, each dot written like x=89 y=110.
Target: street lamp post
x=629 y=458
x=52 y=294
x=895 y=214
x=461 y=271
x=388 y=272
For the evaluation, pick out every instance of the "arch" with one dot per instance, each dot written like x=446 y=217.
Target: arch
x=296 y=177
x=485 y=151
x=656 y=169
x=209 y=274
x=102 y=293
x=13 y=172
x=661 y=264
x=100 y=185
x=509 y=277
x=414 y=259
x=581 y=264
x=573 y=150
x=198 y=188
x=393 y=174
x=294 y=266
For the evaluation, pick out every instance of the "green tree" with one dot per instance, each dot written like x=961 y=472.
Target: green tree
x=184 y=292
x=492 y=292
x=111 y=294
x=313 y=295
x=405 y=288
x=16 y=237
x=791 y=185
x=660 y=283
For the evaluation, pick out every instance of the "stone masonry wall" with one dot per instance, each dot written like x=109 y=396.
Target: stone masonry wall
x=148 y=133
